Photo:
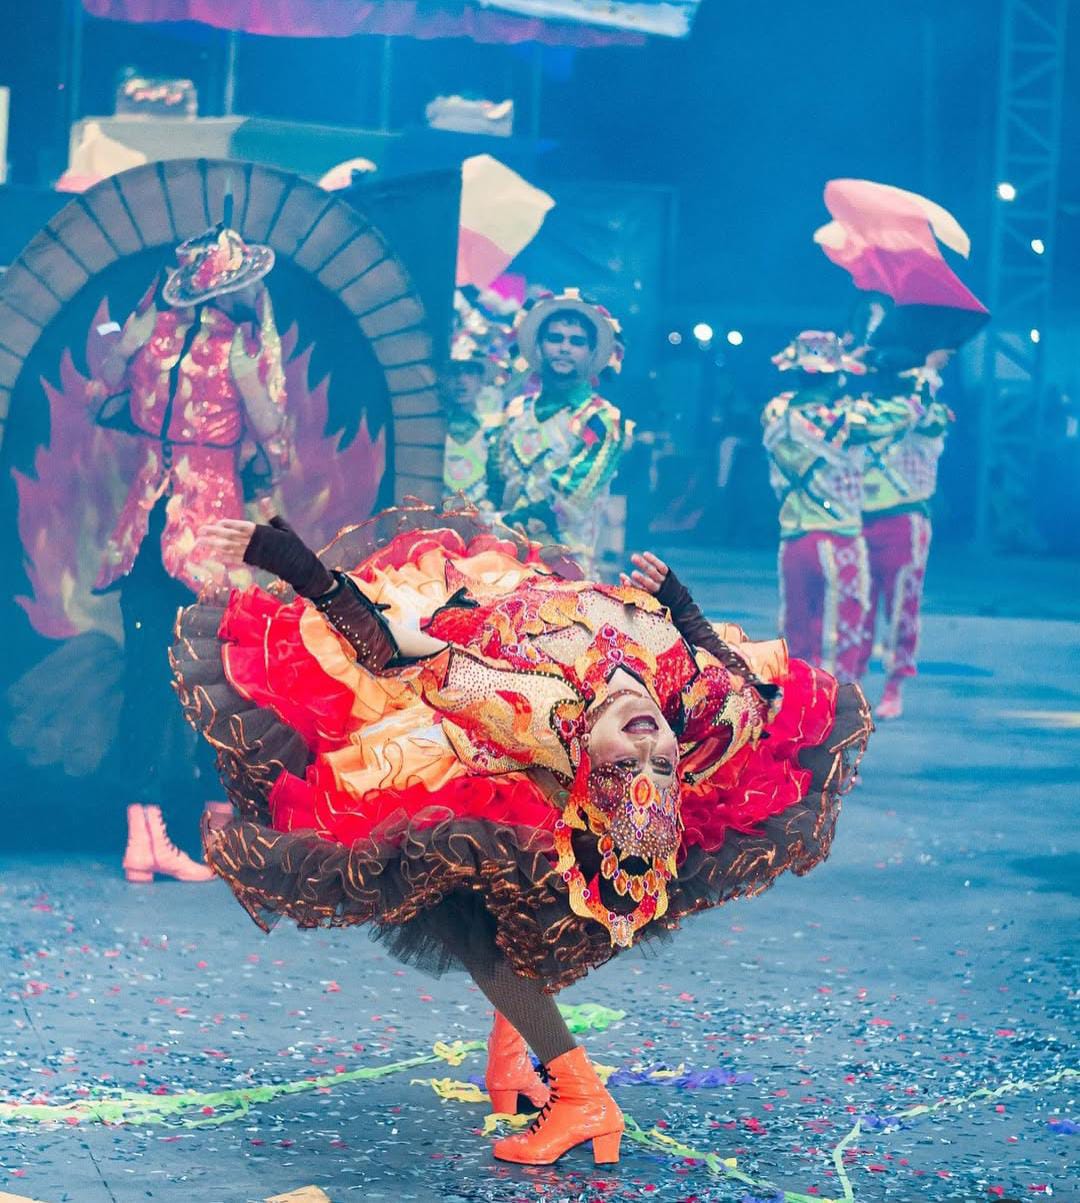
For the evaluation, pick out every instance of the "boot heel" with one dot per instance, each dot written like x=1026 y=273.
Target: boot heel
x=504 y=1102
x=138 y=875
x=605 y=1149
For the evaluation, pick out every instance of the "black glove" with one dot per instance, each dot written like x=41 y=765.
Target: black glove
x=691 y=623
x=277 y=548
x=696 y=629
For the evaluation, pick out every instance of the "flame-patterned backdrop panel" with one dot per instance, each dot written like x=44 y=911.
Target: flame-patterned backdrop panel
x=358 y=349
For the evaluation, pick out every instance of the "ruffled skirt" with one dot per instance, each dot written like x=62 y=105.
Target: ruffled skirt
x=353 y=808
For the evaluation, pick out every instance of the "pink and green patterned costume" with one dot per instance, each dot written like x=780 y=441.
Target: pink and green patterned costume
x=899 y=481
x=816 y=444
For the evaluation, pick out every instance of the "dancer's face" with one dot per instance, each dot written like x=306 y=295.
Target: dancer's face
x=464 y=387
x=630 y=731
x=565 y=349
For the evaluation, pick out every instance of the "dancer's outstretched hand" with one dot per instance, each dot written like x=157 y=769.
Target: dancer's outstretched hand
x=649 y=572
x=276 y=548
x=225 y=540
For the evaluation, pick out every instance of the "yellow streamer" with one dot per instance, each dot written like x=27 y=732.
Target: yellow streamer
x=451 y=1091
x=495 y=1123
x=455 y=1052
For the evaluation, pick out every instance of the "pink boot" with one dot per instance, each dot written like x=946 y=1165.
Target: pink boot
x=510 y=1071
x=150 y=851
x=218 y=814
x=891 y=705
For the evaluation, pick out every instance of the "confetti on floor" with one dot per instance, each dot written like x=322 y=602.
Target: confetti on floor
x=898 y=1025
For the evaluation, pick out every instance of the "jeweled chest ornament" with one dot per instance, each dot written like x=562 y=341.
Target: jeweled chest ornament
x=633 y=819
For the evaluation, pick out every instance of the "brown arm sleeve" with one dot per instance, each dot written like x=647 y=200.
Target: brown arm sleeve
x=356 y=617
x=693 y=626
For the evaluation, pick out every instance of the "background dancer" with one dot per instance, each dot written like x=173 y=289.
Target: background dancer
x=560 y=442
x=913 y=312
x=899 y=482
x=195 y=378
x=475 y=379
x=814 y=436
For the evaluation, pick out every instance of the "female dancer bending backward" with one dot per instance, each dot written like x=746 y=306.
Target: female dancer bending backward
x=502 y=769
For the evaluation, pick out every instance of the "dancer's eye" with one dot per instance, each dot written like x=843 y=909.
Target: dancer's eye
x=663 y=765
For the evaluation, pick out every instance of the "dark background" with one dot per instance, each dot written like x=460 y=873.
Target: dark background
x=746 y=119
x=690 y=171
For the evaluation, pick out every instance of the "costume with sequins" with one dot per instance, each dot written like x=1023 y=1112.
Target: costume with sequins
x=552 y=462
x=202 y=394
x=449 y=801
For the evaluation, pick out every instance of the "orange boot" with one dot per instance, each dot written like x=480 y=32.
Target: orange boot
x=150 y=851
x=510 y=1071
x=580 y=1109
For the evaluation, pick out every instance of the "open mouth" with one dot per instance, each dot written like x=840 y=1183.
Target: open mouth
x=642 y=724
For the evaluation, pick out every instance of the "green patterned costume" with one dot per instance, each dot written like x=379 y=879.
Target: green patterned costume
x=552 y=463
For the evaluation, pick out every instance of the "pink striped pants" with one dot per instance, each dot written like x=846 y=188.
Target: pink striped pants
x=898 y=547
x=824 y=597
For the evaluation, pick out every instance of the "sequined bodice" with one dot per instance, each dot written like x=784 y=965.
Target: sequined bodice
x=205 y=407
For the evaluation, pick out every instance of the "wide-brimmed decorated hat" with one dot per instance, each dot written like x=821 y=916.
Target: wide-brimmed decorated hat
x=818 y=352
x=216 y=262
x=606 y=327
x=466 y=354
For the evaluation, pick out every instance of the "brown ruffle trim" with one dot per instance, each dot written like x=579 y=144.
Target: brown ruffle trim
x=446 y=893
x=253 y=746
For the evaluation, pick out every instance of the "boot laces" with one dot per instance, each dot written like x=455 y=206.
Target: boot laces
x=537 y=1123
x=169 y=846
x=163 y=833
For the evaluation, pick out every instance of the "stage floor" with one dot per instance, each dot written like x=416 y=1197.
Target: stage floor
x=930 y=961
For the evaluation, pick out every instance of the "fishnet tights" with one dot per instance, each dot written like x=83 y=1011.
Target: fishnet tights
x=523 y=1002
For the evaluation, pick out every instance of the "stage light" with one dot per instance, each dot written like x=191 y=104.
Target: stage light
x=703 y=332
x=1034 y=335
x=1038 y=246
x=674 y=338
x=735 y=338
x=1006 y=191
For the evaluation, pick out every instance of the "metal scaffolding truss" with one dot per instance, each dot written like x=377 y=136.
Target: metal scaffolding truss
x=1026 y=157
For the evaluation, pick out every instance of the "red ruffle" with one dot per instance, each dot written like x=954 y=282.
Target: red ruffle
x=758 y=782
x=266 y=661
x=386 y=815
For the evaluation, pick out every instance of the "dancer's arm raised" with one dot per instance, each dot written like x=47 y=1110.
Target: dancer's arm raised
x=654 y=576
x=277 y=548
